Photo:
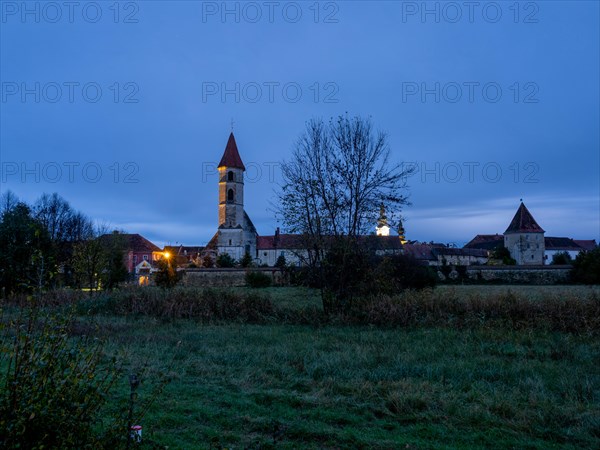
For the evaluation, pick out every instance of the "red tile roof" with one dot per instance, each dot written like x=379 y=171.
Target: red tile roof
x=523 y=222
x=231 y=156
x=586 y=244
x=280 y=241
x=560 y=243
x=485 y=241
x=132 y=242
x=420 y=251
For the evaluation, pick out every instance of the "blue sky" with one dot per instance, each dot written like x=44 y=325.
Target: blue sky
x=125 y=111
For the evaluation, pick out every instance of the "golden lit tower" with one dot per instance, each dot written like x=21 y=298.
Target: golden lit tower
x=383 y=228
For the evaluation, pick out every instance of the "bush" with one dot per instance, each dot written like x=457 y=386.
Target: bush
x=208 y=262
x=395 y=273
x=503 y=254
x=225 y=260
x=561 y=258
x=258 y=280
x=204 y=305
x=167 y=276
x=54 y=385
x=575 y=314
x=246 y=260
x=281 y=263
x=586 y=267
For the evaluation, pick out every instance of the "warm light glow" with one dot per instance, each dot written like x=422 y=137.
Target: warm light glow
x=383 y=230
x=167 y=255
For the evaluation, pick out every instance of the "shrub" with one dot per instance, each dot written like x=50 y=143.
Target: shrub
x=503 y=254
x=586 y=267
x=208 y=262
x=225 y=260
x=246 y=260
x=574 y=314
x=281 y=263
x=561 y=258
x=204 y=305
x=395 y=273
x=258 y=280
x=167 y=276
x=54 y=385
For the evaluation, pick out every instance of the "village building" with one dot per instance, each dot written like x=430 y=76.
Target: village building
x=138 y=251
x=526 y=242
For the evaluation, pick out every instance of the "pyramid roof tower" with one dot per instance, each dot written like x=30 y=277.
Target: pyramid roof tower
x=231 y=156
x=523 y=222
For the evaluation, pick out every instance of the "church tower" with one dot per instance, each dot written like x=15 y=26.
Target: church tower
x=382 y=229
x=231 y=187
x=236 y=235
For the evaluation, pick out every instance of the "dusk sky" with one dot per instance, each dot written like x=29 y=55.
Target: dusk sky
x=125 y=111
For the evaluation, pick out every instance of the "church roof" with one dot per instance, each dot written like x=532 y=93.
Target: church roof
x=523 y=222
x=231 y=156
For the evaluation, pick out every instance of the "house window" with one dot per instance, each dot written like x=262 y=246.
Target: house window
x=531 y=256
x=230 y=195
x=265 y=253
x=145 y=257
x=229 y=241
x=230 y=176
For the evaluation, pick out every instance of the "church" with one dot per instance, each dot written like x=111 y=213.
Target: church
x=236 y=234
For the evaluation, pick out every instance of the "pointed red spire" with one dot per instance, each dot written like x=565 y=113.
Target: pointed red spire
x=523 y=222
x=231 y=157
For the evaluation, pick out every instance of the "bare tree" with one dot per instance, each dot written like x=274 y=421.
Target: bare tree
x=8 y=200
x=90 y=259
x=54 y=212
x=334 y=184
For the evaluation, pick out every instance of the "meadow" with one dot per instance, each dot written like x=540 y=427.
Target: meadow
x=272 y=383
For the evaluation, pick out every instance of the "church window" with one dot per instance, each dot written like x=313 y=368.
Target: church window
x=230 y=195
x=229 y=241
x=230 y=175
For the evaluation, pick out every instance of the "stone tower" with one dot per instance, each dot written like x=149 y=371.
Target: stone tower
x=524 y=238
x=236 y=235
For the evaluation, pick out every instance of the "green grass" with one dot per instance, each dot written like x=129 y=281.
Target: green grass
x=246 y=386
x=341 y=386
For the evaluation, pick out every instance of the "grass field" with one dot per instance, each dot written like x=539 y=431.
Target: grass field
x=290 y=386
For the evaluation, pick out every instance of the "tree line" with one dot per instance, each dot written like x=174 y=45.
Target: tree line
x=49 y=244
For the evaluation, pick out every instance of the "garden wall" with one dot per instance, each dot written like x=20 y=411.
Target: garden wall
x=225 y=277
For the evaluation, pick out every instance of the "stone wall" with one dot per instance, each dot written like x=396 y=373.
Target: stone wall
x=225 y=277
x=519 y=274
